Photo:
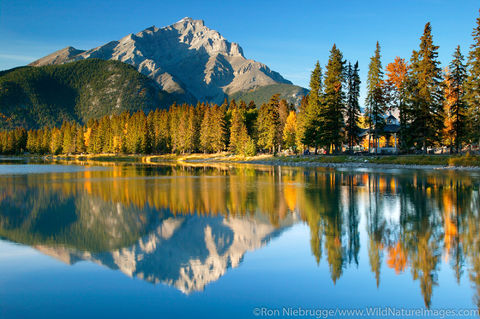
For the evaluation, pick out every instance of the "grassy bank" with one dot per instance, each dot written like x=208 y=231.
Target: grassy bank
x=422 y=160
x=310 y=160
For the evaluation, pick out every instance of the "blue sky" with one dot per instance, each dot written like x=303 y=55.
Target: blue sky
x=288 y=36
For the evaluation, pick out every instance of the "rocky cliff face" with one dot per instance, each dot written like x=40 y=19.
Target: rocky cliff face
x=186 y=58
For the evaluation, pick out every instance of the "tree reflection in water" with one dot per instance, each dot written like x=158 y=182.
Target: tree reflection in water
x=214 y=214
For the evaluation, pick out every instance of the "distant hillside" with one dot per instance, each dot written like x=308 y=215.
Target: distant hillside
x=47 y=95
x=291 y=93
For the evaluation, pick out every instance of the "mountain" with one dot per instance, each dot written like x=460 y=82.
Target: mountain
x=187 y=59
x=47 y=95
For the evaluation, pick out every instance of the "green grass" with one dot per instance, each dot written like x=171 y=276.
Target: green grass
x=435 y=160
x=411 y=160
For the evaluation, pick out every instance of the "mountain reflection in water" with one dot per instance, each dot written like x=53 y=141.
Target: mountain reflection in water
x=185 y=226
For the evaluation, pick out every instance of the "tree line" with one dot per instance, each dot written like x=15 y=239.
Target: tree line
x=436 y=108
x=238 y=128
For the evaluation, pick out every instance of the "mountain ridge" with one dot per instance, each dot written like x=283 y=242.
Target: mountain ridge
x=33 y=97
x=185 y=58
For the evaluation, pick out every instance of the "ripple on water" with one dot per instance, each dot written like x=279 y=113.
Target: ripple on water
x=16 y=169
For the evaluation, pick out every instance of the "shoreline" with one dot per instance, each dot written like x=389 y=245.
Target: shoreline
x=429 y=162
x=356 y=165
x=337 y=165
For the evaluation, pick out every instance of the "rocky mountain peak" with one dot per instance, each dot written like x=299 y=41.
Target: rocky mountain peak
x=187 y=21
x=186 y=59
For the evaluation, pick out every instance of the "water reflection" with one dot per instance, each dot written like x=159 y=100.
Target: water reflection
x=186 y=226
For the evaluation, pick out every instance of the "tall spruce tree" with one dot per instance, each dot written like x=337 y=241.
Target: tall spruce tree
x=79 y=140
x=284 y=109
x=268 y=124
x=217 y=129
x=458 y=106
x=332 y=113
x=353 y=106
x=56 y=141
x=205 y=132
x=68 y=135
x=426 y=93
x=238 y=129
x=472 y=85
x=311 y=118
x=251 y=118
x=192 y=130
x=375 y=100
x=301 y=123
x=161 y=129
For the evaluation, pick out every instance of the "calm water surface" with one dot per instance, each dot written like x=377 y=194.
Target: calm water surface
x=123 y=241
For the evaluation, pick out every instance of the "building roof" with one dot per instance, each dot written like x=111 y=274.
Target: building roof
x=391 y=128
x=387 y=129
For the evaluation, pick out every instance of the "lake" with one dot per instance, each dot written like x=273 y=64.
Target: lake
x=233 y=241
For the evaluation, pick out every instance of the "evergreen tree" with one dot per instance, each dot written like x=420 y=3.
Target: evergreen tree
x=96 y=139
x=312 y=113
x=375 y=101
x=205 y=132
x=20 y=135
x=251 y=118
x=136 y=139
x=106 y=133
x=211 y=131
x=56 y=142
x=79 y=140
x=178 y=128
x=456 y=98
x=226 y=122
x=218 y=131
x=284 y=109
x=32 y=142
x=160 y=130
x=240 y=140
x=149 y=135
x=301 y=119
x=268 y=123
x=192 y=129
x=236 y=128
x=426 y=93
x=68 y=138
x=46 y=139
x=353 y=106
x=472 y=85
x=332 y=114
